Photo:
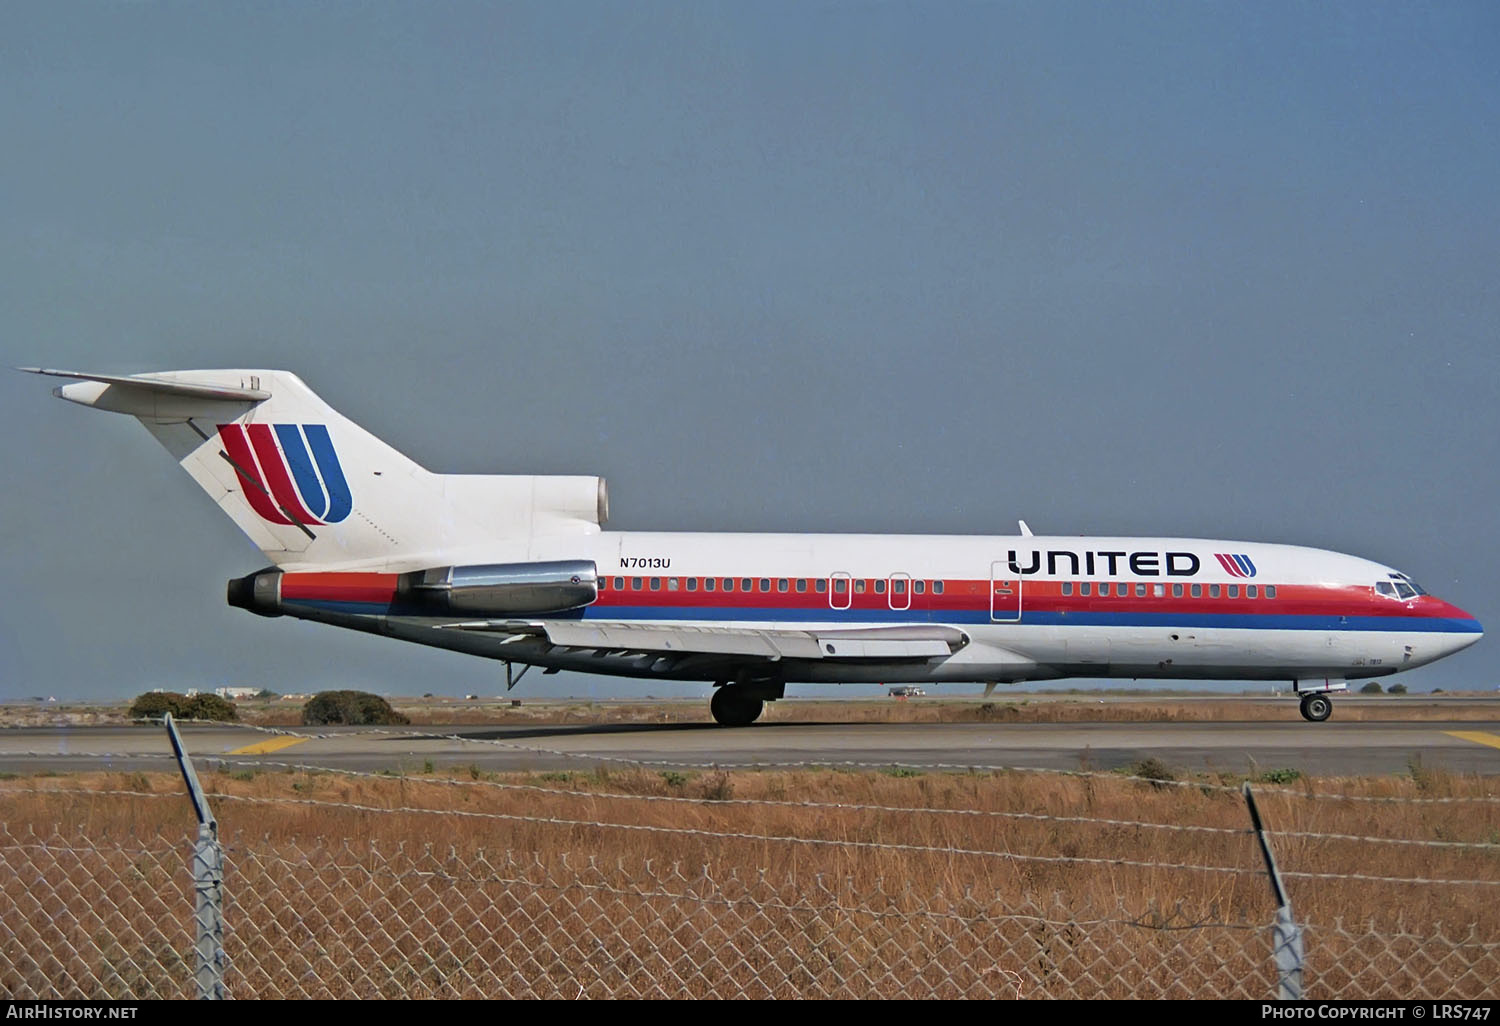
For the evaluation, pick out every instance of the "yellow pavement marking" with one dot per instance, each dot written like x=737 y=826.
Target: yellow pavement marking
x=276 y=744
x=1479 y=737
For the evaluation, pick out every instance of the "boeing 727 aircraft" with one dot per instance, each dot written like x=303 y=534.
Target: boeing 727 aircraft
x=520 y=569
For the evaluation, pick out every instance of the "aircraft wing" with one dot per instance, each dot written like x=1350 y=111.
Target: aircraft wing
x=916 y=642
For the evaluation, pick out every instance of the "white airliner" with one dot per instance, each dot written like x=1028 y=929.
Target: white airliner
x=519 y=569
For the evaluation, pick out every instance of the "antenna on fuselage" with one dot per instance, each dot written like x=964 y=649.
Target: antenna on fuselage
x=1025 y=531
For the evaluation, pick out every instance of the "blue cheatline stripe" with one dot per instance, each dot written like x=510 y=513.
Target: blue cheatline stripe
x=339 y=500
x=779 y=617
x=330 y=606
x=302 y=469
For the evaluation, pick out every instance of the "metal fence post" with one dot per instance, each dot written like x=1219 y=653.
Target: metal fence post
x=1286 y=935
x=208 y=882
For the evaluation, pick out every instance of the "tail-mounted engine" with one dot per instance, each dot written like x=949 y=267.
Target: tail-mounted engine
x=503 y=589
x=494 y=590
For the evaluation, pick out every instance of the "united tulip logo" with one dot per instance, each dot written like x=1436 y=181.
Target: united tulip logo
x=1235 y=565
x=291 y=471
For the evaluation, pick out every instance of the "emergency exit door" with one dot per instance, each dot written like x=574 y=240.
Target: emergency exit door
x=1005 y=593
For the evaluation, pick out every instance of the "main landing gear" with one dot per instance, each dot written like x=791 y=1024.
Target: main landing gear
x=740 y=704
x=1316 y=707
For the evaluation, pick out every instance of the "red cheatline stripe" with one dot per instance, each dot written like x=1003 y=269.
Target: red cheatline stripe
x=233 y=437
x=340 y=587
x=273 y=466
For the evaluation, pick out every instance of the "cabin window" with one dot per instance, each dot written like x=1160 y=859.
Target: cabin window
x=765 y=584
x=1140 y=591
x=619 y=584
x=692 y=584
x=729 y=584
x=1234 y=591
x=781 y=584
x=859 y=586
x=1067 y=588
x=635 y=584
x=1197 y=591
x=656 y=584
x=898 y=586
x=747 y=584
x=821 y=585
x=1270 y=591
x=880 y=587
x=919 y=587
x=1386 y=588
x=1251 y=591
x=1085 y=588
x=671 y=584
x=709 y=582
x=1177 y=591
x=1159 y=590
x=1213 y=591
x=1122 y=589
x=937 y=587
x=801 y=584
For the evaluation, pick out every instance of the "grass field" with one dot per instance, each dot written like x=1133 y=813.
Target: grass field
x=765 y=883
x=1033 y=817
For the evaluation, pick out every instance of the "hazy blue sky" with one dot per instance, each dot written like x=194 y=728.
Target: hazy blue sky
x=1224 y=270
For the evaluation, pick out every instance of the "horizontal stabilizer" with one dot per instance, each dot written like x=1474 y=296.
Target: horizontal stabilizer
x=163 y=386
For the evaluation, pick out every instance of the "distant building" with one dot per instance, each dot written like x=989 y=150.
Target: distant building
x=237 y=692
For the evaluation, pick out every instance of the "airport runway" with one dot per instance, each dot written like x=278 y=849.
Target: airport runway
x=1330 y=748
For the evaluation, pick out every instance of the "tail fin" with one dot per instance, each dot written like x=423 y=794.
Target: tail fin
x=312 y=489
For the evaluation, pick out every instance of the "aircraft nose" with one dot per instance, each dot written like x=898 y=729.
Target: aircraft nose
x=1466 y=629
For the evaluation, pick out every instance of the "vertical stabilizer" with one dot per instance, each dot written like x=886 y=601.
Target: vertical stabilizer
x=313 y=489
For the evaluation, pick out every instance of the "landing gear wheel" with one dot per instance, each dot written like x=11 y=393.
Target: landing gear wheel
x=1316 y=707
x=733 y=708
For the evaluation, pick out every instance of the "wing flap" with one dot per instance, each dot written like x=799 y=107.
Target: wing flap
x=917 y=642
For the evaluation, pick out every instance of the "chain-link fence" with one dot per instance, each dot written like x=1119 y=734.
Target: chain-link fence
x=114 y=918
x=154 y=913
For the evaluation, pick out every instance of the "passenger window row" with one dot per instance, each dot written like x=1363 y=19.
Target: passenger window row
x=1122 y=589
x=899 y=586
x=819 y=585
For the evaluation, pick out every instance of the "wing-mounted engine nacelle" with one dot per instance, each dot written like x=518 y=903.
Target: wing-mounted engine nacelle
x=503 y=589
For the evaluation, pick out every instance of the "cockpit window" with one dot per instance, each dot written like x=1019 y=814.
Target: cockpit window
x=1403 y=580
x=1399 y=587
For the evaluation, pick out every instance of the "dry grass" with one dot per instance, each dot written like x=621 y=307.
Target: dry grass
x=249 y=806
x=337 y=890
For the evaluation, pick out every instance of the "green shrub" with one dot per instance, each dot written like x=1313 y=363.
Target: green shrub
x=351 y=708
x=1280 y=776
x=209 y=707
x=1398 y=689
x=1372 y=688
x=1151 y=768
x=156 y=704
